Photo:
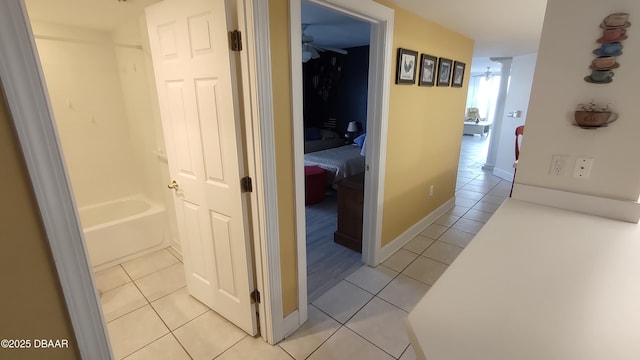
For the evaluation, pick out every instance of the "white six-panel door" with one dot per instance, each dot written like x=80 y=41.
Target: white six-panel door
x=189 y=46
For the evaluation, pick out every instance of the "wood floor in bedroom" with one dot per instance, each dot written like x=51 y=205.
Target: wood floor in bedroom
x=328 y=263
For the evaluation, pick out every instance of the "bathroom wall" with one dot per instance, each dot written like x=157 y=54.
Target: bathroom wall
x=143 y=115
x=106 y=110
x=86 y=96
x=141 y=125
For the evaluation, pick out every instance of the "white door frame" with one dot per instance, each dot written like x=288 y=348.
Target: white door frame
x=28 y=102
x=381 y=19
x=258 y=108
x=32 y=115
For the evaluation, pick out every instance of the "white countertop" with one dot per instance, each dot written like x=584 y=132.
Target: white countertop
x=537 y=283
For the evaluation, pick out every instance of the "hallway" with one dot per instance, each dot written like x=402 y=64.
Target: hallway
x=362 y=317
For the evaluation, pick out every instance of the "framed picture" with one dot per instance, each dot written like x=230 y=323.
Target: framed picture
x=427 y=70
x=407 y=63
x=444 y=72
x=458 y=74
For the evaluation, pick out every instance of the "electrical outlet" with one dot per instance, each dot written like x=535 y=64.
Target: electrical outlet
x=583 y=167
x=431 y=190
x=558 y=164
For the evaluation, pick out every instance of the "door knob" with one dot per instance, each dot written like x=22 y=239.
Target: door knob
x=174 y=185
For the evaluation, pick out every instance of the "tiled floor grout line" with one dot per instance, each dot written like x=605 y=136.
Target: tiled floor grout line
x=480 y=180
x=145 y=345
x=229 y=348
x=143 y=295
x=158 y=314
x=355 y=313
x=404 y=351
x=394 y=305
x=179 y=343
x=379 y=291
x=155 y=271
x=127 y=313
x=328 y=337
x=369 y=341
x=286 y=352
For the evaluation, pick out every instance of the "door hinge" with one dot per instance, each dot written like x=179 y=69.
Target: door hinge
x=235 y=39
x=255 y=297
x=246 y=184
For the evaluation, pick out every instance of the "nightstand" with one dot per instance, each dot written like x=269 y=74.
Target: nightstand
x=350 y=208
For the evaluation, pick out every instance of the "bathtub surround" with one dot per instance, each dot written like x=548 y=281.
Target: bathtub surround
x=100 y=84
x=143 y=114
x=86 y=96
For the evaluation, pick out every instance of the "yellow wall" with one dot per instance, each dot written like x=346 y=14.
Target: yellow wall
x=32 y=303
x=425 y=127
x=423 y=145
x=281 y=74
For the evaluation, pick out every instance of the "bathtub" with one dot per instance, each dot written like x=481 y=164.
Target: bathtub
x=119 y=230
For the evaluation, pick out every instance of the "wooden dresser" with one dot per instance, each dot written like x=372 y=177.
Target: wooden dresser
x=350 y=205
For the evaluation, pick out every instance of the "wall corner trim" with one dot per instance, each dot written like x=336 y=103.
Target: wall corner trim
x=265 y=161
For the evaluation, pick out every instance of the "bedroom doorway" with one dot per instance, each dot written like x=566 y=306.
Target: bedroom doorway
x=380 y=21
x=335 y=70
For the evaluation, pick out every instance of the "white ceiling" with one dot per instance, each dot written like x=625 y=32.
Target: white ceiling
x=332 y=29
x=93 y=14
x=499 y=27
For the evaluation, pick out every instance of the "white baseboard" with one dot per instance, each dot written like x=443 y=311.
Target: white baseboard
x=628 y=211
x=503 y=174
x=414 y=230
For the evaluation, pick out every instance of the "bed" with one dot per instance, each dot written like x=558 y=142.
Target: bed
x=339 y=162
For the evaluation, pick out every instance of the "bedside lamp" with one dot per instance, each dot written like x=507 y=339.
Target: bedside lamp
x=352 y=129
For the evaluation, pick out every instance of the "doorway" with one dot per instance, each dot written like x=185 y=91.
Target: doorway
x=35 y=129
x=380 y=19
x=481 y=105
x=99 y=81
x=335 y=66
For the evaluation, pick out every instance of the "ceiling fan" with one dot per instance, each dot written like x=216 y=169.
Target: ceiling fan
x=310 y=50
x=487 y=74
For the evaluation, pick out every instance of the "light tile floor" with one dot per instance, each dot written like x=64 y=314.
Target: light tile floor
x=150 y=314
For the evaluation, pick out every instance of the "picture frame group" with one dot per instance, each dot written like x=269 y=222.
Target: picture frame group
x=433 y=70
